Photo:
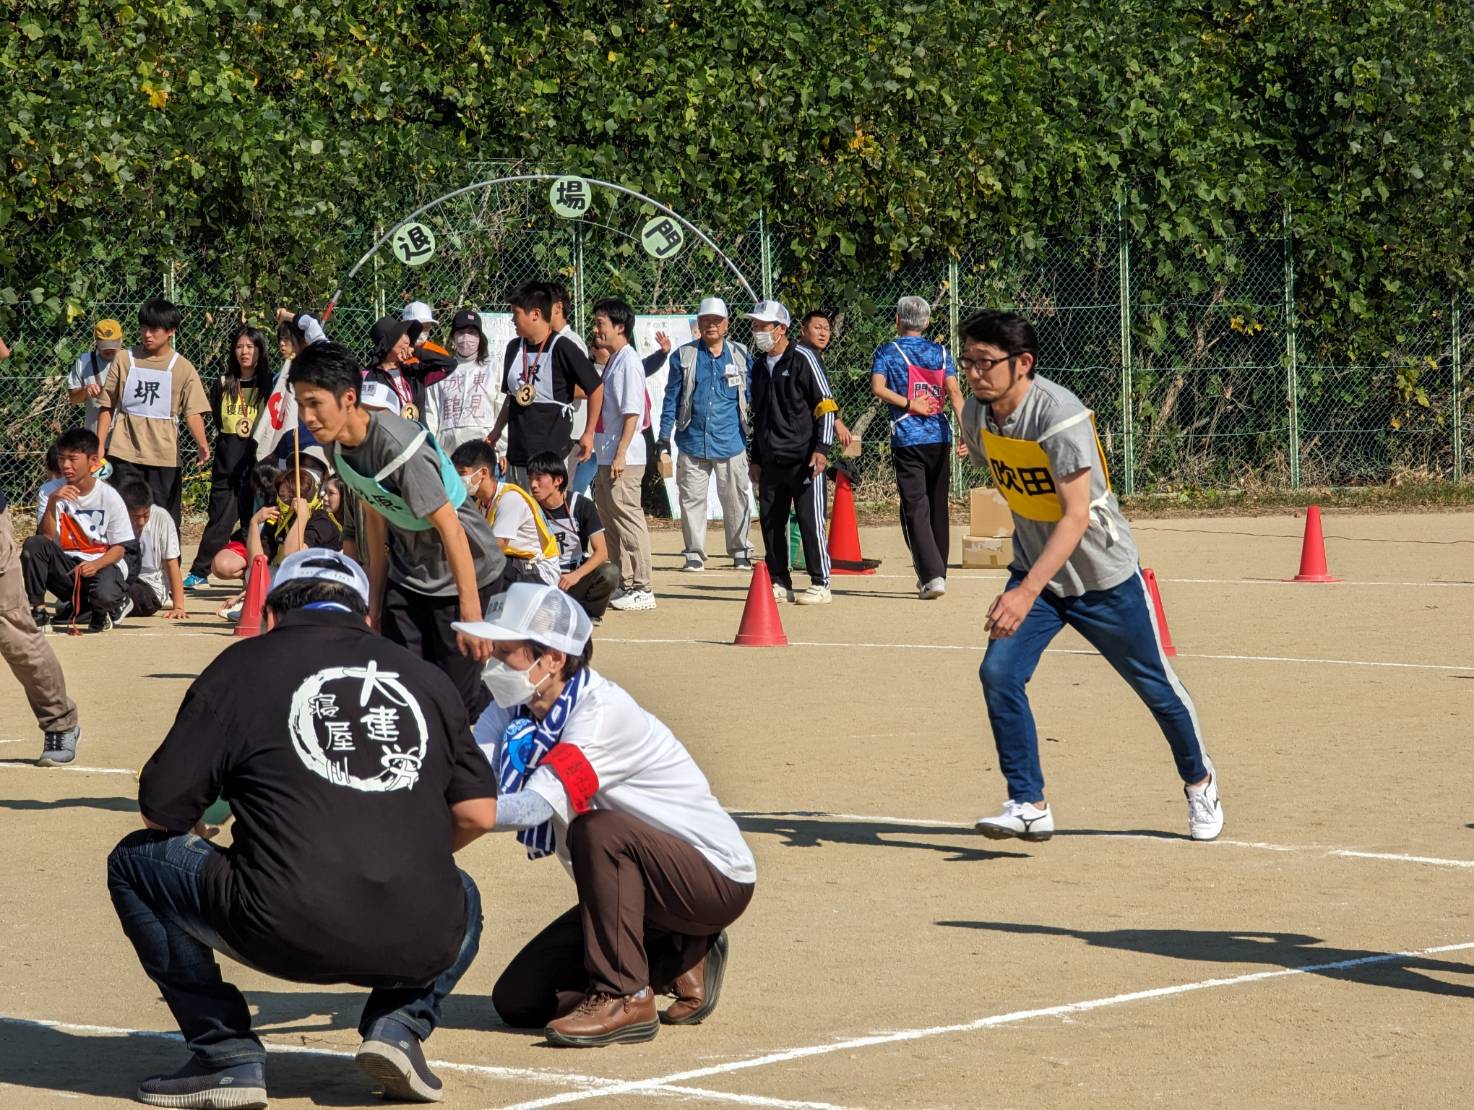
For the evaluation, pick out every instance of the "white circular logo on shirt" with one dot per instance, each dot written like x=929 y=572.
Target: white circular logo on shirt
x=359 y=727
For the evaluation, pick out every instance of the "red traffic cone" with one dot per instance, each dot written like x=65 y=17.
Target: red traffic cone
x=258 y=585
x=1313 y=551
x=760 y=625
x=1164 y=634
x=844 y=533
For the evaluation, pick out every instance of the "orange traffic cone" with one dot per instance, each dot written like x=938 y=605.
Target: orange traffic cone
x=1164 y=634
x=258 y=585
x=844 y=533
x=760 y=625
x=1313 y=551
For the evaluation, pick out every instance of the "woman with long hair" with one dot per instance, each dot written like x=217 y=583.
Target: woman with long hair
x=235 y=400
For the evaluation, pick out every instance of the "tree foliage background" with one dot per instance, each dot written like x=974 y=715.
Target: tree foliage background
x=273 y=133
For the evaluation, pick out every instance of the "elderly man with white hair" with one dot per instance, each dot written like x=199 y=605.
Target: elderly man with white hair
x=706 y=406
x=912 y=374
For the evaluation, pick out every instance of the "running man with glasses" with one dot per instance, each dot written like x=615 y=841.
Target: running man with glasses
x=1074 y=563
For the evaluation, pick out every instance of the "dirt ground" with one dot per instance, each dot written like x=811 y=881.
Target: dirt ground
x=1320 y=954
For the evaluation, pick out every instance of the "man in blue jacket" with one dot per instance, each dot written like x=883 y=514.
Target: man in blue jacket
x=706 y=406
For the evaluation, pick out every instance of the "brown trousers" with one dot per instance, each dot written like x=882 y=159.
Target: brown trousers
x=24 y=646
x=649 y=908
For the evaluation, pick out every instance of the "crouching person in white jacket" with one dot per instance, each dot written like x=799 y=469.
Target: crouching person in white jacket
x=585 y=773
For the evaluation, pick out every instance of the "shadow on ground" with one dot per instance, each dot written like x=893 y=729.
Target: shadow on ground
x=812 y=830
x=116 y=805
x=43 y=1058
x=1286 y=950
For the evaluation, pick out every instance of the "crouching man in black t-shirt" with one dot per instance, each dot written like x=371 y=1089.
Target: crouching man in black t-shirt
x=350 y=770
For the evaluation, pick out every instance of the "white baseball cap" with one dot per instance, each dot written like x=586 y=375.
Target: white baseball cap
x=531 y=611
x=418 y=312
x=770 y=312
x=323 y=564
x=377 y=395
x=712 y=306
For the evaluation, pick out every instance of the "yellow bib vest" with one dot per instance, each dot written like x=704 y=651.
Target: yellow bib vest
x=545 y=536
x=1020 y=470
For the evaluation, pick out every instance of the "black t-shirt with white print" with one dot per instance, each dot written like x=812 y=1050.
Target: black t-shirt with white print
x=574 y=524
x=547 y=423
x=340 y=759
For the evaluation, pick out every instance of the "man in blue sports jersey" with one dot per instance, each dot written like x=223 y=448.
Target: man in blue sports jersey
x=1074 y=563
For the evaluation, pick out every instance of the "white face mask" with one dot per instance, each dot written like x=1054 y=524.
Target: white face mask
x=467 y=344
x=764 y=340
x=509 y=687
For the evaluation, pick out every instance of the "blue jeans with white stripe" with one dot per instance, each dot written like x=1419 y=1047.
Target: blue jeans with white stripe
x=1121 y=625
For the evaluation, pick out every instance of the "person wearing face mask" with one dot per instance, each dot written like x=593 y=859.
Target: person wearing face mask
x=660 y=867
x=706 y=407
x=463 y=405
x=516 y=520
x=84 y=383
x=792 y=433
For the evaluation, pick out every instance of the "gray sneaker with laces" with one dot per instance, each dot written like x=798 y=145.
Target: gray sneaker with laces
x=60 y=747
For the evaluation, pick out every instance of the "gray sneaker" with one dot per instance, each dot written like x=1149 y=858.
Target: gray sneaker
x=391 y=1054
x=694 y=563
x=741 y=562
x=60 y=747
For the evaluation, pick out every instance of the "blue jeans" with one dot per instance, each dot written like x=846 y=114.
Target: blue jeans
x=1121 y=625
x=158 y=889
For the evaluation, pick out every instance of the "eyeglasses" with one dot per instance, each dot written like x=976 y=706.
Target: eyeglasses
x=982 y=365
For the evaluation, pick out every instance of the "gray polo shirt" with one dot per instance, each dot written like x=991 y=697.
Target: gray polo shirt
x=1107 y=555
x=417 y=559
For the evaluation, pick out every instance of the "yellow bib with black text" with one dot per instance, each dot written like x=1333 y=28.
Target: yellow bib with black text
x=1020 y=471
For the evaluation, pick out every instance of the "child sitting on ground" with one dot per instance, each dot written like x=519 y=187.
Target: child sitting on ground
x=516 y=520
x=78 y=550
x=282 y=526
x=158 y=556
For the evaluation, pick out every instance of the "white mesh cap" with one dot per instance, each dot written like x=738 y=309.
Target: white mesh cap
x=530 y=611
x=418 y=312
x=325 y=565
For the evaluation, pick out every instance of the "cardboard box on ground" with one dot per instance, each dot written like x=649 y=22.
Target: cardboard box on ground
x=990 y=529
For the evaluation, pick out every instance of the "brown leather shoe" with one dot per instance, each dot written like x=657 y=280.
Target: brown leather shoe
x=607 y=1019
x=697 y=990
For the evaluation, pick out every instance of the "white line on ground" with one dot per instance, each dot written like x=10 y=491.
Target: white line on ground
x=520 y=1075
x=965 y=828
x=68 y=767
x=978 y=650
x=1002 y=576
x=899 y=1036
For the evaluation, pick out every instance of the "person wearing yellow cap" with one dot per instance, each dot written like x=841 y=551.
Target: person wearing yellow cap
x=89 y=373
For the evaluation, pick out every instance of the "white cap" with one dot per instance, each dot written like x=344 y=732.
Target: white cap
x=770 y=312
x=315 y=452
x=326 y=565
x=712 y=306
x=377 y=395
x=531 y=611
x=418 y=312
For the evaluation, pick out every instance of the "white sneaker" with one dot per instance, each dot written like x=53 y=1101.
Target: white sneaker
x=1018 y=819
x=634 y=601
x=1204 y=810
x=815 y=595
x=935 y=588
x=782 y=594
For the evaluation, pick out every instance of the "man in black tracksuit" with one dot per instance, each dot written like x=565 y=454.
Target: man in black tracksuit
x=792 y=431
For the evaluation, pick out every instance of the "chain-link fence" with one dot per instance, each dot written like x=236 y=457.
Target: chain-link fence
x=1189 y=353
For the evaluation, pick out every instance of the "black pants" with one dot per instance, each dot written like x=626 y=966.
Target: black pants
x=231 y=498
x=650 y=907
x=162 y=480
x=145 y=601
x=45 y=566
x=594 y=589
x=421 y=623
x=923 y=478
x=782 y=485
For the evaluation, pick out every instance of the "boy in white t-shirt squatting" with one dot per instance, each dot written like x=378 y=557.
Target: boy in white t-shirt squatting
x=661 y=868
x=78 y=549
x=516 y=520
x=158 y=556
